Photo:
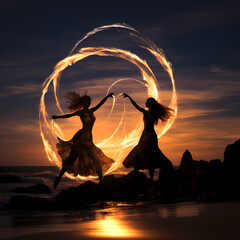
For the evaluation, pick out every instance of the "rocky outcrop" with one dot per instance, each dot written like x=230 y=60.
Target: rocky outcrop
x=232 y=157
x=131 y=187
x=202 y=180
x=126 y=188
x=194 y=181
x=187 y=164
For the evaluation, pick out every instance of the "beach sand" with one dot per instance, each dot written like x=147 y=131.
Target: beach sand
x=183 y=221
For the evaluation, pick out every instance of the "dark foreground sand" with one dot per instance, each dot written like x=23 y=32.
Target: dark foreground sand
x=170 y=221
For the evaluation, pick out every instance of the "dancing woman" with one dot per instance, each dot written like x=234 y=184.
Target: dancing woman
x=146 y=154
x=80 y=155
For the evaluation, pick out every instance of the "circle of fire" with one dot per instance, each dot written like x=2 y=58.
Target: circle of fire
x=50 y=130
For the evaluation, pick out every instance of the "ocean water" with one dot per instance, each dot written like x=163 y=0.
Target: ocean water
x=24 y=176
x=149 y=220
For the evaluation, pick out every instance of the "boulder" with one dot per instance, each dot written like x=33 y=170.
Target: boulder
x=187 y=164
x=232 y=156
x=87 y=192
x=132 y=185
x=171 y=186
x=124 y=188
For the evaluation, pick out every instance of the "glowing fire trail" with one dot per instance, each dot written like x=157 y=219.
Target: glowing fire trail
x=51 y=129
x=102 y=28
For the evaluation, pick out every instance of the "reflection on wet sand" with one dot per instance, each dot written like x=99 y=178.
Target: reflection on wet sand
x=121 y=222
x=111 y=227
x=180 y=211
x=182 y=221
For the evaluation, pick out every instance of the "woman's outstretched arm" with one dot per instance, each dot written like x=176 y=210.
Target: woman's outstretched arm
x=65 y=115
x=133 y=103
x=102 y=102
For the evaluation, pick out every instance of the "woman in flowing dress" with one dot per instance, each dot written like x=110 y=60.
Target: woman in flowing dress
x=146 y=154
x=80 y=155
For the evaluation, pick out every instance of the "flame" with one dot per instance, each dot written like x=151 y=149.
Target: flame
x=50 y=130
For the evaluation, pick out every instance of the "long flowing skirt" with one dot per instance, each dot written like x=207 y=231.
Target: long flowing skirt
x=81 y=156
x=146 y=154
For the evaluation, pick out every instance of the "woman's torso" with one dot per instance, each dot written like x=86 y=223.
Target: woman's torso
x=85 y=134
x=88 y=119
x=149 y=120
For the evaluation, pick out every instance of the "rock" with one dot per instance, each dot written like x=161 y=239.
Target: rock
x=208 y=180
x=232 y=156
x=187 y=165
x=201 y=167
x=87 y=192
x=215 y=164
x=171 y=186
x=204 y=180
x=35 y=189
x=131 y=185
x=125 y=188
x=3 y=206
x=231 y=169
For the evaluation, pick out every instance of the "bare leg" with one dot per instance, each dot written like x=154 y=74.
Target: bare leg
x=151 y=173
x=57 y=179
x=71 y=158
x=99 y=172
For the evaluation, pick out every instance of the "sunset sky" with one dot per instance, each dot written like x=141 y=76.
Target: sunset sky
x=200 y=38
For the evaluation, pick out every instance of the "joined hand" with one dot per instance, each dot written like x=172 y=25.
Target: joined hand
x=111 y=95
x=125 y=95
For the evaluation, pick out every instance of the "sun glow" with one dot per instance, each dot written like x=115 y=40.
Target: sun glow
x=113 y=228
x=50 y=130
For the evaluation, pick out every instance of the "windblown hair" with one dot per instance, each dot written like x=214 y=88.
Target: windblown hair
x=76 y=102
x=160 y=111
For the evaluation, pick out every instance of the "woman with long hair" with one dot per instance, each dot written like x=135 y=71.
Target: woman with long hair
x=80 y=155
x=146 y=154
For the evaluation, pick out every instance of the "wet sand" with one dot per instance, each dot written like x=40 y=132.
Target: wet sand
x=182 y=221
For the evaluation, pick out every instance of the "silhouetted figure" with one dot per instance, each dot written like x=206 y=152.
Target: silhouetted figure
x=80 y=155
x=147 y=155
